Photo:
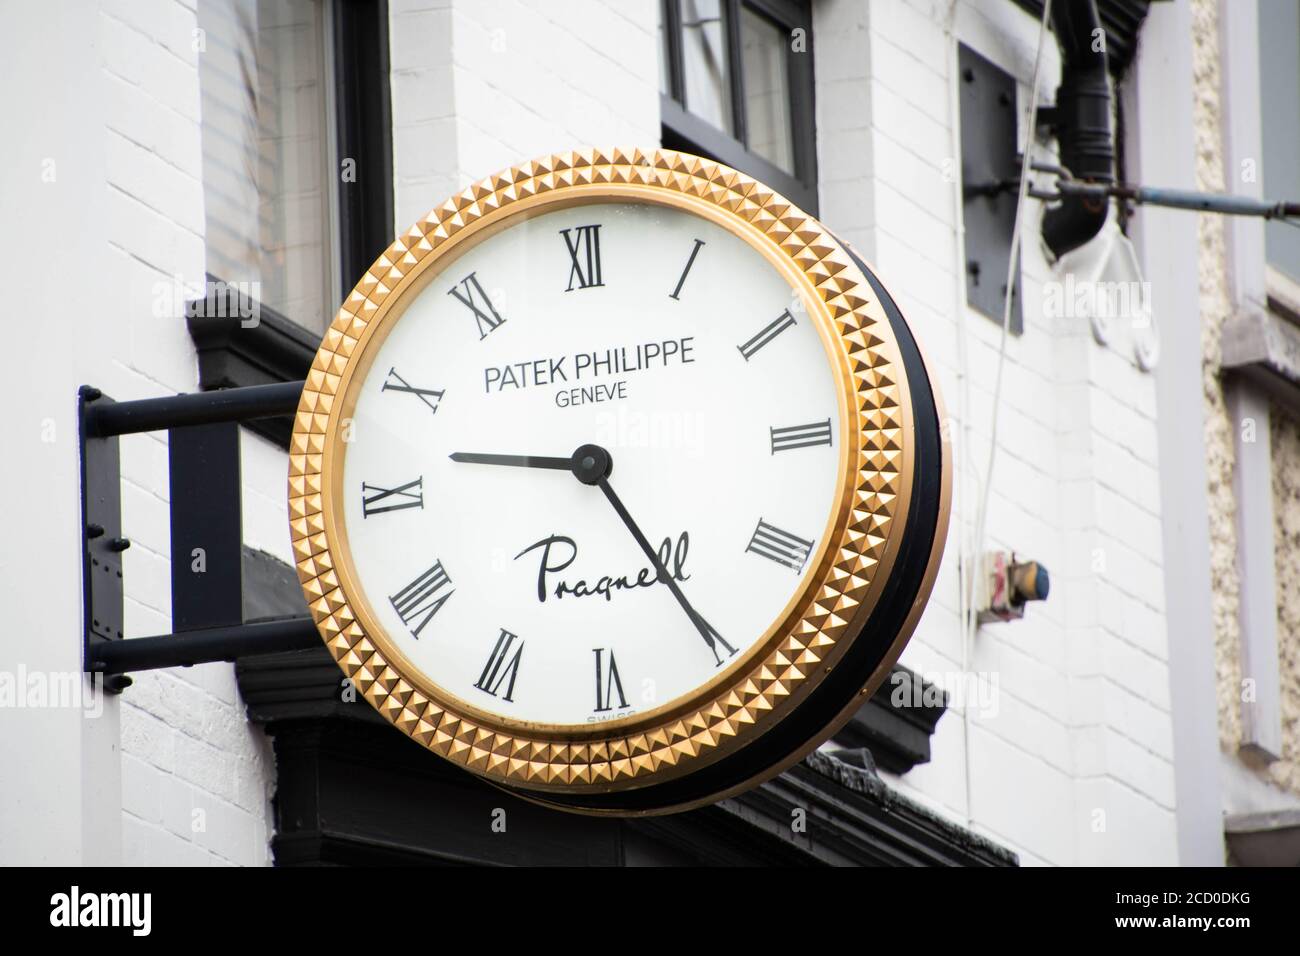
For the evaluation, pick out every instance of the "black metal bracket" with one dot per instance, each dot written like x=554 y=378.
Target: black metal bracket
x=206 y=531
x=990 y=178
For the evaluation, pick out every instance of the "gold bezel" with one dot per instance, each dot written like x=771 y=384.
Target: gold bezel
x=858 y=551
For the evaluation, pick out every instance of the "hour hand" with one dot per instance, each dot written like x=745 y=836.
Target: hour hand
x=518 y=461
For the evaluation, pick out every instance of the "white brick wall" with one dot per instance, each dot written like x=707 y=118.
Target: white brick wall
x=1073 y=765
x=177 y=774
x=1082 y=723
x=478 y=86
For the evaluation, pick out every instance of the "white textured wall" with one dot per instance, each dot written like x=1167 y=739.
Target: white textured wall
x=1082 y=736
x=483 y=84
x=171 y=773
x=1082 y=723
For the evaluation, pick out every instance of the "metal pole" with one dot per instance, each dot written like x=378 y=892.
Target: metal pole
x=198 y=408
x=203 y=646
x=1181 y=199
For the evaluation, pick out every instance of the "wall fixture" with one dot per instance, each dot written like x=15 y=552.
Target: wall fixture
x=1007 y=585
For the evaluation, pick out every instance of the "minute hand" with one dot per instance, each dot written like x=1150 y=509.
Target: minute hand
x=711 y=637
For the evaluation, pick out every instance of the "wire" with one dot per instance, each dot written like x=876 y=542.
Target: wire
x=963 y=364
x=971 y=622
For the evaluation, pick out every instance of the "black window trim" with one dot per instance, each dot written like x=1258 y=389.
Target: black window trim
x=685 y=131
x=276 y=348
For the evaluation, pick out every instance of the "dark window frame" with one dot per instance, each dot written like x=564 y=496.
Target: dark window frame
x=685 y=131
x=276 y=348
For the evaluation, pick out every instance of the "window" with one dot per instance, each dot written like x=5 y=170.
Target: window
x=297 y=179
x=1279 y=66
x=268 y=153
x=736 y=85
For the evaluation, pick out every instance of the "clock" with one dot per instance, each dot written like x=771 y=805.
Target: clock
x=618 y=481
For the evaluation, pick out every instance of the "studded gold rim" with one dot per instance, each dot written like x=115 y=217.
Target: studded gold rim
x=860 y=549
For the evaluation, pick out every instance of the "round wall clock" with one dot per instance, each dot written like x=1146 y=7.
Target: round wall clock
x=618 y=481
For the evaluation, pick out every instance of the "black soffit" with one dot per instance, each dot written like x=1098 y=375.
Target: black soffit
x=1122 y=19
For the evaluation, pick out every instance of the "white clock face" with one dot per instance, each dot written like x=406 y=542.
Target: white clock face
x=659 y=337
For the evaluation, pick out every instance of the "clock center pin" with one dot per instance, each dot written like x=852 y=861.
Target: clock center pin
x=591 y=463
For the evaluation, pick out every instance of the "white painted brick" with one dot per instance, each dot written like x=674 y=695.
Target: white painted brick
x=928 y=237
x=1137 y=832
x=903 y=26
x=136 y=114
x=146 y=737
x=847 y=103
x=206 y=767
x=1027 y=728
x=144 y=460
x=140 y=61
x=1136 y=671
x=1144 y=627
x=146 y=519
x=896 y=119
x=159 y=185
x=911 y=278
x=419 y=40
x=1088 y=750
x=1131 y=573
x=1033 y=680
x=141 y=790
x=847 y=208
x=893 y=67
x=1142 y=770
x=1135 y=715
x=148 y=580
x=1118 y=469
x=137 y=841
x=223 y=829
x=419 y=97
x=169 y=850
x=1119 y=517
x=164 y=22
x=168 y=247
x=215 y=680
x=1017 y=794
x=926 y=182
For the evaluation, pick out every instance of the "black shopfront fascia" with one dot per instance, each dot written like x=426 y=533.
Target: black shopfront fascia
x=684 y=131
x=234 y=352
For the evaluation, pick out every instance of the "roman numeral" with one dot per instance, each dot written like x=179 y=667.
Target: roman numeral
x=497 y=669
x=396 y=383
x=607 y=683
x=801 y=436
x=487 y=321
x=401 y=497
x=584 y=256
x=783 y=322
x=422 y=598
x=779 y=546
x=685 y=272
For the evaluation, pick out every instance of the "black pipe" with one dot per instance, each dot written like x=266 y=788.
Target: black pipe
x=197 y=408
x=202 y=646
x=1083 y=124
